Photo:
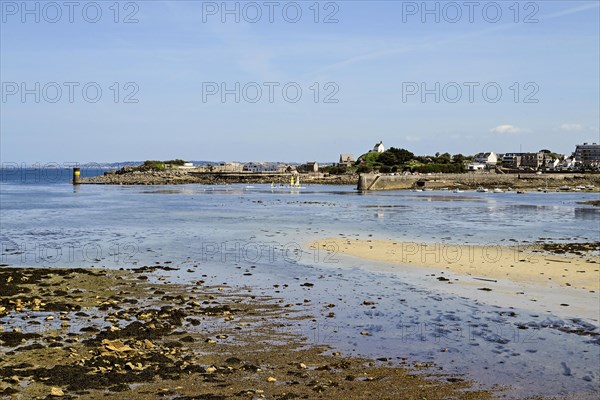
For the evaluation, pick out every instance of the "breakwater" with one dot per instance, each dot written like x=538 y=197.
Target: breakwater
x=180 y=177
x=474 y=180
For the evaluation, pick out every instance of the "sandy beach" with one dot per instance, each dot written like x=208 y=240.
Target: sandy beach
x=534 y=264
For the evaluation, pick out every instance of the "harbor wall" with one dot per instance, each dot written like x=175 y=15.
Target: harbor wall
x=473 y=180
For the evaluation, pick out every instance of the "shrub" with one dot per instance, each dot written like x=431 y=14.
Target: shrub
x=363 y=169
x=175 y=162
x=152 y=165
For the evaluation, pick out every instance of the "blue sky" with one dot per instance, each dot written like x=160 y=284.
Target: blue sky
x=367 y=61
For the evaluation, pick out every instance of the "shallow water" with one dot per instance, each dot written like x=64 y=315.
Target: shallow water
x=257 y=237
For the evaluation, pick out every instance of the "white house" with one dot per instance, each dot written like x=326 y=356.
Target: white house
x=186 y=165
x=566 y=164
x=476 y=167
x=551 y=163
x=489 y=159
x=379 y=148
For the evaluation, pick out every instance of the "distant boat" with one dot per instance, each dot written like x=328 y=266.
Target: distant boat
x=497 y=190
x=295 y=183
x=444 y=189
x=481 y=189
x=458 y=191
x=520 y=192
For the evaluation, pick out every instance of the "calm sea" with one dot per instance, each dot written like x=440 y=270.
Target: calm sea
x=252 y=235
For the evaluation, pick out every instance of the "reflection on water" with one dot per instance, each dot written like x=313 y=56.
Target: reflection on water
x=118 y=226
x=588 y=213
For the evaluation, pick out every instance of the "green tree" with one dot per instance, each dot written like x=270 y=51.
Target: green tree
x=445 y=158
x=364 y=168
x=458 y=158
x=394 y=156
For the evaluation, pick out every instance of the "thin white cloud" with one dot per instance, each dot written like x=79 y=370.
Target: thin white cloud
x=432 y=45
x=509 y=129
x=570 y=127
x=569 y=11
x=412 y=138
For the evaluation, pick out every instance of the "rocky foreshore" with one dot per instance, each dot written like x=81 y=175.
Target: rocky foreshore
x=553 y=182
x=181 y=176
x=97 y=334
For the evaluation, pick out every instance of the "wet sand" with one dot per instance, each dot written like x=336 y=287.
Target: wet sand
x=95 y=333
x=566 y=265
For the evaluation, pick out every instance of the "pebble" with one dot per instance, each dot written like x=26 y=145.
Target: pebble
x=271 y=379
x=56 y=392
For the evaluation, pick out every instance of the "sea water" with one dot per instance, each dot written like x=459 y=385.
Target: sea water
x=257 y=236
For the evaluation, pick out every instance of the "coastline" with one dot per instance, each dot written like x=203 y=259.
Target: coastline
x=90 y=333
x=531 y=264
x=466 y=181
x=183 y=177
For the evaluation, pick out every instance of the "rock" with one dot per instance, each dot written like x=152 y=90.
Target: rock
x=210 y=370
x=365 y=333
x=56 y=392
x=302 y=366
x=271 y=379
x=116 y=346
x=134 y=367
